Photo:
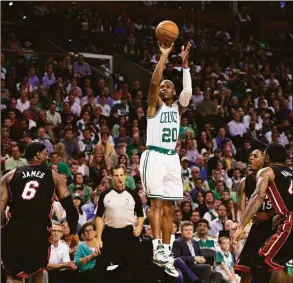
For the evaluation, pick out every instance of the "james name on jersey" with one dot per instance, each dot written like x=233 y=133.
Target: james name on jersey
x=30 y=174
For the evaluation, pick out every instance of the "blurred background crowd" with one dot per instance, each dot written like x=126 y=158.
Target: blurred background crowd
x=92 y=117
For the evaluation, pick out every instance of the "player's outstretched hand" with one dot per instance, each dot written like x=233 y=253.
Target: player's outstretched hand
x=185 y=54
x=165 y=50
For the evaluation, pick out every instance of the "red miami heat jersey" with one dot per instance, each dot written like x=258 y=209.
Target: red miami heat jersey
x=280 y=191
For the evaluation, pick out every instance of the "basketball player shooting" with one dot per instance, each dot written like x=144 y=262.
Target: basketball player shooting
x=160 y=165
x=276 y=182
x=28 y=191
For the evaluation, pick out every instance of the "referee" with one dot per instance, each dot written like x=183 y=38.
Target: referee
x=119 y=223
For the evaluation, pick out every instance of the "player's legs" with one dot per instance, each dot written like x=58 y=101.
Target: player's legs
x=156 y=217
x=167 y=221
x=172 y=190
x=152 y=174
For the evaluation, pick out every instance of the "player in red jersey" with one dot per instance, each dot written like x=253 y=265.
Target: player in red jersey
x=276 y=182
x=28 y=192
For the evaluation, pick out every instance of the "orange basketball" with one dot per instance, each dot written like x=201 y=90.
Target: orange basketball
x=167 y=32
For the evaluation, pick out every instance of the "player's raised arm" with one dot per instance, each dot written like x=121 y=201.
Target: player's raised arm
x=4 y=193
x=153 y=97
x=66 y=201
x=186 y=93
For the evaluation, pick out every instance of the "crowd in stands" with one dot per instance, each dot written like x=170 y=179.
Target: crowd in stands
x=242 y=100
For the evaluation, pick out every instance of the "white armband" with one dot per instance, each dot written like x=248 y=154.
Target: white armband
x=186 y=93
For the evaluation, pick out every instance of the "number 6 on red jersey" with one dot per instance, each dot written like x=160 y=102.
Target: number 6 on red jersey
x=30 y=190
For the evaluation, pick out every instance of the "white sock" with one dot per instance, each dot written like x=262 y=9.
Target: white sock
x=167 y=249
x=156 y=243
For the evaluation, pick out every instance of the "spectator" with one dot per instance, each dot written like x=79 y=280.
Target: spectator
x=225 y=261
x=71 y=240
x=212 y=214
x=78 y=187
x=59 y=257
x=189 y=251
x=42 y=139
x=77 y=200
x=23 y=102
x=217 y=224
x=81 y=67
x=206 y=243
x=85 y=255
x=70 y=143
x=6 y=142
x=15 y=160
x=53 y=116
x=195 y=217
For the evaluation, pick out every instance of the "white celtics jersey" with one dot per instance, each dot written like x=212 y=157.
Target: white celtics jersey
x=163 y=127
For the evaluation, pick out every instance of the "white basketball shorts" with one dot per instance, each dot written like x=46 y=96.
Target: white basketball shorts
x=161 y=175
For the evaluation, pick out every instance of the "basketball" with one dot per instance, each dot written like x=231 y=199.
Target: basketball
x=167 y=32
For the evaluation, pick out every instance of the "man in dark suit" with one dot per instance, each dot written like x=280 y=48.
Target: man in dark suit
x=188 y=250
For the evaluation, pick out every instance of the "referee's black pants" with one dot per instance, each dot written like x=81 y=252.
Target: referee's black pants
x=119 y=247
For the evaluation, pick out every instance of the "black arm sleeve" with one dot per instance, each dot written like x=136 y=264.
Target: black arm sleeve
x=71 y=213
x=101 y=207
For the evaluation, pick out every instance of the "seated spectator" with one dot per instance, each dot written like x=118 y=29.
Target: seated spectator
x=85 y=255
x=225 y=261
x=195 y=217
x=15 y=160
x=90 y=207
x=207 y=244
x=81 y=67
x=207 y=205
x=59 y=257
x=82 y=167
x=77 y=200
x=53 y=116
x=80 y=188
x=219 y=189
x=210 y=185
x=217 y=225
x=177 y=217
x=189 y=252
x=71 y=240
x=71 y=144
x=62 y=167
x=186 y=210
x=185 y=170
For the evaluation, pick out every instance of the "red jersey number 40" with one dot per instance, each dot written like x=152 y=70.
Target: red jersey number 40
x=30 y=190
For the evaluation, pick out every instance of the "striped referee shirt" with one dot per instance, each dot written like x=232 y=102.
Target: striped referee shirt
x=119 y=208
